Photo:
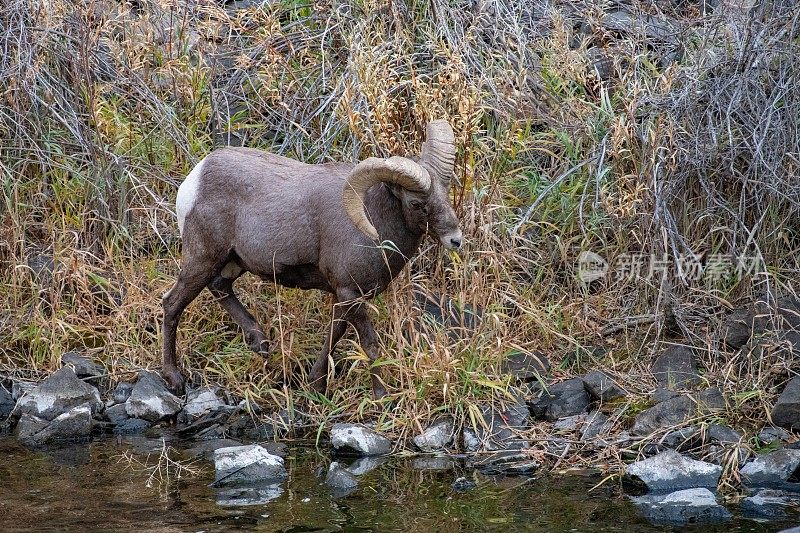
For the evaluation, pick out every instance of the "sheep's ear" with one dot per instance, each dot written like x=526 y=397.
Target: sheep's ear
x=395 y=170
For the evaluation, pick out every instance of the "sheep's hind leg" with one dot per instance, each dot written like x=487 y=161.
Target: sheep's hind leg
x=189 y=284
x=222 y=289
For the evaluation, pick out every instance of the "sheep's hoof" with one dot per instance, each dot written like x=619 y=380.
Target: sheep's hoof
x=319 y=385
x=258 y=342
x=174 y=379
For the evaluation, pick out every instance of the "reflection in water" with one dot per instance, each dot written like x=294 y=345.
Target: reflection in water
x=244 y=496
x=96 y=490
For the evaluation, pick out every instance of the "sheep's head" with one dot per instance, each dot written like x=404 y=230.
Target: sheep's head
x=422 y=187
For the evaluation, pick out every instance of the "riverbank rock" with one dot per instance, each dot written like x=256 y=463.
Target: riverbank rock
x=75 y=424
x=436 y=437
x=597 y=425
x=723 y=434
x=82 y=366
x=671 y=412
x=506 y=462
x=601 y=387
x=772 y=434
x=745 y=322
x=767 y=503
x=58 y=393
x=202 y=401
x=500 y=428
x=132 y=426
x=6 y=403
x=773 y=470
x=676 y=368
x=151 y=400
x=786 y=412
x=359 y=440
x=116 y=414
x=682 y=507
x=525 y=366
x=122 y=392
x=563 y=399
x=340 y=480
x=671 y=471
x=247 y=465
x=710 y=400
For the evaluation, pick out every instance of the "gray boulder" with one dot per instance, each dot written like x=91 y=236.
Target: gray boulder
x=525 y=366
x=238 y=465
x=59 y=393
x=786 y=412
x=767 y=503
x=122 y=392
x=676 y=368
x=710 y=400
x=743 y=323
x=202 y=401
x=82 y=366
x=723 y=434
x=340 y=480
x=696 y=505
x=601 y=387
x=672 y=412
x=359 y=440
x=206 y=448
x=21 y=388
x=505 y=462
x=772 y=470
x=151 y=400
x=771 y=434
x=567 y=398
x=117 y=414
x=73 y=425
x=6 y=403
x=499 y=429
x=597 y=425
x=662 y=395
x=569 y=424
x=739 y=326
x=132 y=426
x=670 y=471
x=436 y=437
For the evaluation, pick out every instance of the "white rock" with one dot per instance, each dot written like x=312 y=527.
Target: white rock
x=247 y=464
x=355 y=439
x=670 y=471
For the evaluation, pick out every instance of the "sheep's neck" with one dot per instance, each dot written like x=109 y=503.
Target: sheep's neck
x=387 y=216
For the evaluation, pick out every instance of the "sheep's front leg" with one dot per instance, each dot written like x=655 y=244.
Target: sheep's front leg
x=318 y=377
x=370 y=344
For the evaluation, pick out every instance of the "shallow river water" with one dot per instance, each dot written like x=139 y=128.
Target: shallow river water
x=98 y=486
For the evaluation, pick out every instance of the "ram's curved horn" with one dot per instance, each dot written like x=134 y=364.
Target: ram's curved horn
x=398 y=170
x=439 y=149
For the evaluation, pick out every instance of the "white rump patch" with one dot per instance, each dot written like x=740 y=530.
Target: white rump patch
x=187 y=194
x=230 y=271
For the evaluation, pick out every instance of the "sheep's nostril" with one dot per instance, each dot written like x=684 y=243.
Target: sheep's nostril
x=456 y=242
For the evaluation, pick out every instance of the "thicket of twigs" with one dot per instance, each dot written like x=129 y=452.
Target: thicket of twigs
x=622 y=129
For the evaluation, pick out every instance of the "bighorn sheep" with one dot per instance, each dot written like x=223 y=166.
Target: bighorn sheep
x=307 y=226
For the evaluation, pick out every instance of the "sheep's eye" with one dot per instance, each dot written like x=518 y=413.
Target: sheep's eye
x=420 y=206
